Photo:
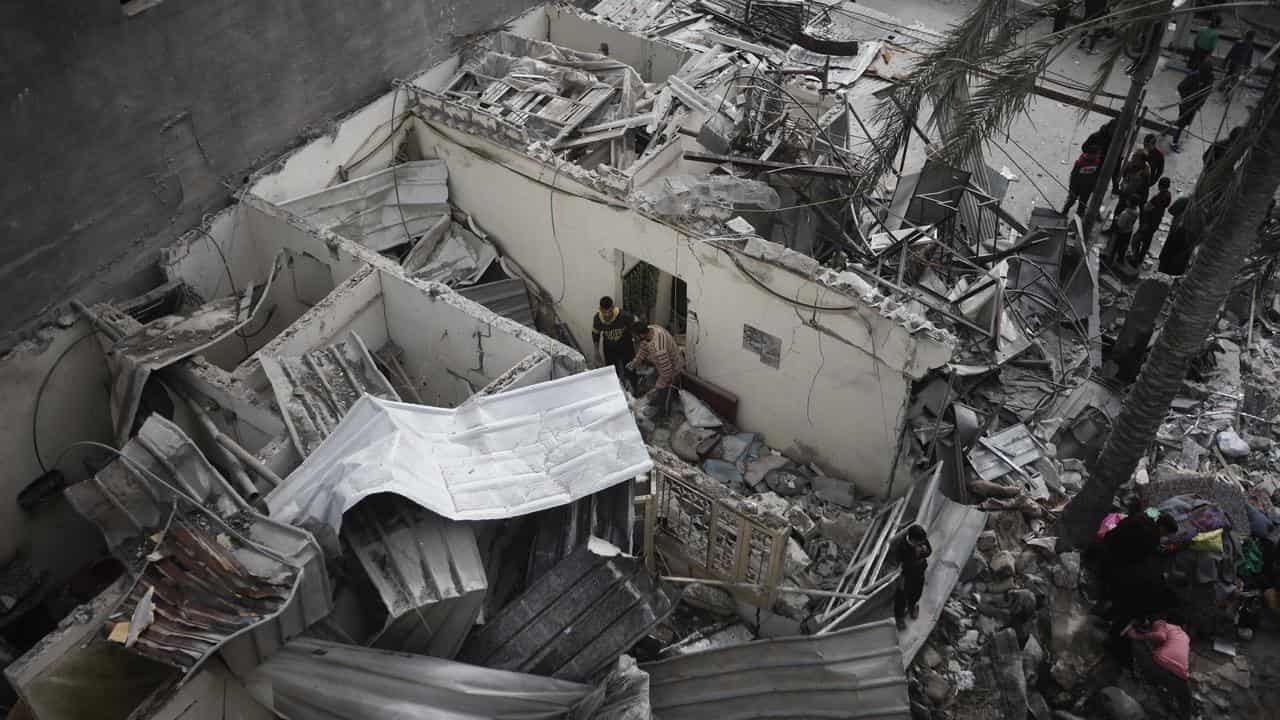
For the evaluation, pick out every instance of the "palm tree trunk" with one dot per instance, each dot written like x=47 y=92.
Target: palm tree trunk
x=1225 y=212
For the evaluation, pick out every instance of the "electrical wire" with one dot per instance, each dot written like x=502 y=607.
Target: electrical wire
x=551 y=211
x=1039 y=164
x=44 y=384
x=395 y=171
x=798 y=303
x=145 y=471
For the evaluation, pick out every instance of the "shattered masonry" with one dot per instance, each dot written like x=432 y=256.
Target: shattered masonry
x=365 y=459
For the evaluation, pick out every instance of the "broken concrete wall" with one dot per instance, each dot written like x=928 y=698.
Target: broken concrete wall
x=654 y=59
x=138 y=120
x=72 y=406
x=451 y=346
x=454 y=345
x=237 y=247
x=834 y=379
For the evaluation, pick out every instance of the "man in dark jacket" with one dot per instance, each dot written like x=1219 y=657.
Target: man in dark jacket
x=1099 y=140
x=912 y=551
x=1084 y=177
x=611 y=333
x=1149 y=221
x=1239 y=59
x=1192 y=92
x=1155 y=156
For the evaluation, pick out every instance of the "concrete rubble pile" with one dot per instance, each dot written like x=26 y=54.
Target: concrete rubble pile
x=1023 y=630
x=363 y=483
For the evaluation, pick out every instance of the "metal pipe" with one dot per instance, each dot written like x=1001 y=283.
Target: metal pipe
x=872 y=589
x=887 y=546
x=249 y=459
x=851 y=568
x=229 y=461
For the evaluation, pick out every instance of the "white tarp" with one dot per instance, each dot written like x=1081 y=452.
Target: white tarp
x=496 y=456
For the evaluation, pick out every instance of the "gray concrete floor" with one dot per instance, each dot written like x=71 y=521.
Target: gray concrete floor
x=1043 y=145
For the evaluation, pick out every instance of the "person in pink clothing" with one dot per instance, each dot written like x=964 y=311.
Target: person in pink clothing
x=1171 y=652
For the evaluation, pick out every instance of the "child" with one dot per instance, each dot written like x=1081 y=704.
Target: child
x=1122 y=231
x=1171 y=651
x=1239 y=59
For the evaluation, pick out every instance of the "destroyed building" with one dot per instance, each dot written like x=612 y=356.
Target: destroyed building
x=342 y=451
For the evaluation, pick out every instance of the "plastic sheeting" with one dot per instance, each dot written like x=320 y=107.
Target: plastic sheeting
x=316 y=680
x=496 y=456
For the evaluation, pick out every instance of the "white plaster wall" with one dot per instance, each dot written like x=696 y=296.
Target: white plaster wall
x=250 y=238
x=655 y=60
x=205 y=258
x=829 y=394
x=74 y=407
x=452 y=346
x=315 y=165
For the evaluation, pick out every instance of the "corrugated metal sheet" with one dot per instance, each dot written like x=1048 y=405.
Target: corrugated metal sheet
x=382 y=209
x=854 y=673
x=496 y=456
x=609 y=515
x=454 y=257
x=198 y=605
x=316 y=680
x=163 y=342
x=574 y=621
x=315 y=391
x=509 y=298
x=426 y=569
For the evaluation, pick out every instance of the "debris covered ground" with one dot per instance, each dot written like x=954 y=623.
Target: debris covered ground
x=376 y=478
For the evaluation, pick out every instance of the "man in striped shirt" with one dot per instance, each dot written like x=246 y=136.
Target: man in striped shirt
x=657 y=347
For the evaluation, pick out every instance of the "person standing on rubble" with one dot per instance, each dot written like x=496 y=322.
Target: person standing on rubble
x=1171 y=652
x=912 y=550
x=658 y=348
x=1155 y=156
x=1149 y=221
x=611 y=340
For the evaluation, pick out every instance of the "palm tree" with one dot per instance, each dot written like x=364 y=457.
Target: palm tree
x=1230 y=203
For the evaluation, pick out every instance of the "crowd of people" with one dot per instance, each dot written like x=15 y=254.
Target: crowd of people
x=1143 y=193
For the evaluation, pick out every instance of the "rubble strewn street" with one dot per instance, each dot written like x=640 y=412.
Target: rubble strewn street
x=694 y=359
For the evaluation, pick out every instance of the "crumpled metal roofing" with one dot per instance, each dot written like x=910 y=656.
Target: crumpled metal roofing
x=574 y=621
x=854 y=673
x=382 y=209
x=495 y=456
x=426 y=569
x=317 y=680
x=315 y=390
x=224 y=579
